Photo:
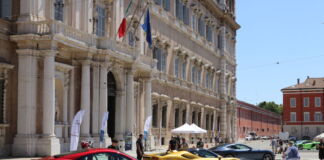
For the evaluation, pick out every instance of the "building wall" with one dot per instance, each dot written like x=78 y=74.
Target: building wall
x=54 y=68
x=255 y=119
x=300 y=127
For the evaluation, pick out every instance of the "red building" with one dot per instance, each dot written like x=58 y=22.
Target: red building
x=303 y=108
x=251 y=118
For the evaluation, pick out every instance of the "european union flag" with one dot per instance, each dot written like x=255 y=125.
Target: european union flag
x=147 y=28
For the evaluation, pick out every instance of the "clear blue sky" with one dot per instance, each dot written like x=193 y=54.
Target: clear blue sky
x=290 y=32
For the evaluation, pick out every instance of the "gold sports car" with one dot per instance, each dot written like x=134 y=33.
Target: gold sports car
x=181 y=155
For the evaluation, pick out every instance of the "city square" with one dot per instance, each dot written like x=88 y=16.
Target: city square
x=141 y=77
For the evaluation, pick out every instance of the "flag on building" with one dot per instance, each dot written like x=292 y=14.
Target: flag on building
x=147 y=28
x=147 y=126
x=123 y=26
x=103 y=125
x=75 y=130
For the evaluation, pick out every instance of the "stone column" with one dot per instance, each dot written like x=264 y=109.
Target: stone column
x=25 y=140
x=65 y=105
x=130 y=101
x=202 y=118
x=85 y=98
x=103 y=103
x=188 y=117
x=223 y=124
x=95 y=100
x=49 y=144
x=72 y=98
x=148 y=109
x=148 y=98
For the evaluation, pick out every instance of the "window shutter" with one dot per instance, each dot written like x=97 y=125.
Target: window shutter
x=100 y=28
x=58 y=10
x=177 y=4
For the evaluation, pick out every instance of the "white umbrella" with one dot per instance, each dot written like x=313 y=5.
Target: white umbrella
x=321 y=136
x=197 y=129
x=183 y=129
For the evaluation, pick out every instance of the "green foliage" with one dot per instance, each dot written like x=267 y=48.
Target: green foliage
x=271 y=106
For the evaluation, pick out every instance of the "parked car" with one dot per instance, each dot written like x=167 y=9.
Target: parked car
x=264 y=137
x=308 y=144
x=93 y=153
x=243 y=152
x=185 y=155
x=203 y=153
x=249 y=138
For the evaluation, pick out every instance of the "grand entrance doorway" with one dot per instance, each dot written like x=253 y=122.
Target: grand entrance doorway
x=111 y=104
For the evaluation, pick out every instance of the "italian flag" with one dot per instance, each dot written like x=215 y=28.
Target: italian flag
x=123 y=26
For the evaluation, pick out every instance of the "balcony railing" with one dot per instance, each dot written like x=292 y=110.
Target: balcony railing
x=52 y=27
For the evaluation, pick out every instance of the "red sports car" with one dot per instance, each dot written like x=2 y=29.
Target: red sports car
x=92 y=154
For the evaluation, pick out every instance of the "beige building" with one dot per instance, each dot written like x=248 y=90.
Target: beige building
x=60 y=56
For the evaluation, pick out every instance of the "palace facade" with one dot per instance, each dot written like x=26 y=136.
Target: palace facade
x=60 y=56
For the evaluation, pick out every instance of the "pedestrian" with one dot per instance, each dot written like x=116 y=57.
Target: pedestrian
x=216 y=140
x=184 y=145
x=139 y=147
x=114 y=144
x=220 y=140
x=273 y=145
x=321 y=150
x=280 y=146
x=178 y=142
x=173 y=144
x=200 y=143
x=291 y=153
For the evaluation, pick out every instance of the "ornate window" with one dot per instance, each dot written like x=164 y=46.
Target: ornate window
x=58 y=10
x=100 y=25
x=201 y=26
x=209 y=34
x=182 y=12
x=180 y=67
x=194 y=22
x=5 y=9
x=160 y=55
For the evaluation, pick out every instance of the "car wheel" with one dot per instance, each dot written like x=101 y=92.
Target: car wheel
x=267 y=157
x=228 y=155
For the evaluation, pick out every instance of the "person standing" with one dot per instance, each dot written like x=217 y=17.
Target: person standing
x=139 y=147
x=321 y=150
x=291 y=153
x=273 y=145
x=184 y=145
x=114 y=144
x=200 y=143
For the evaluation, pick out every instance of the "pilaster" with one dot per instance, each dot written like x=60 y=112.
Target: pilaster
x=85 y=98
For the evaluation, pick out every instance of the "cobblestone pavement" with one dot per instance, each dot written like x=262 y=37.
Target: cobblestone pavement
x=304 y=154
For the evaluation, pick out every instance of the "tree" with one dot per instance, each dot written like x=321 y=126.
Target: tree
x=271 y=106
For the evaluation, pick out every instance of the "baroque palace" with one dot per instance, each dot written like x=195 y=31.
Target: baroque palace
x=60 y=56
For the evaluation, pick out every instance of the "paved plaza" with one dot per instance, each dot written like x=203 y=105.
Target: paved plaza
x=265 y=144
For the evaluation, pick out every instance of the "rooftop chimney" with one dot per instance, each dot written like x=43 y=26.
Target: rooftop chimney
x=298 y=80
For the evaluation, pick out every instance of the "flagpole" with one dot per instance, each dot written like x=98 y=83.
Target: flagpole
x=142 y=16
x=127 y=27
x=128 y=6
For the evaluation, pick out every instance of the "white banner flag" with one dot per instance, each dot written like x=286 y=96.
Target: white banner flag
x=75 y=130
x=103 y=125
x=147 y=126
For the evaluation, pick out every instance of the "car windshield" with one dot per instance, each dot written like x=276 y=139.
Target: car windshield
x=218 y=147
x=239 y=147
x=204 y=153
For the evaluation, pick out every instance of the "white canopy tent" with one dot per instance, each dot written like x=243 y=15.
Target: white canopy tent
x=318 y=137
x=186 y=128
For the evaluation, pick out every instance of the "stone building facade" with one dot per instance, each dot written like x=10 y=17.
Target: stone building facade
x=60 y=56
